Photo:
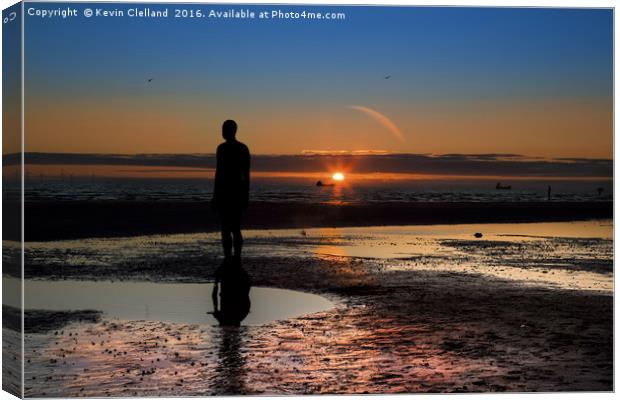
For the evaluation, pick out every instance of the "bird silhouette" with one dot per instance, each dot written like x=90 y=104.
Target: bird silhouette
x=387 y=77
x=150 y=79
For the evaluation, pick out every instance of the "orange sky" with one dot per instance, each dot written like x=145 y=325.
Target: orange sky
x=576 y=128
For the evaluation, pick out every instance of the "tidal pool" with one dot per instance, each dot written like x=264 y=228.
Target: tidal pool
x=186 y=303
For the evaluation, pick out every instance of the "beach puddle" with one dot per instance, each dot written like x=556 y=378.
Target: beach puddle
x=390 y=242
x=184 y=303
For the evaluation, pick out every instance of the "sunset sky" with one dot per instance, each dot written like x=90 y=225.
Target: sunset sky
x=536 y=82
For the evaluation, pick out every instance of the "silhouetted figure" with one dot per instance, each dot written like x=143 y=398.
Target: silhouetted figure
x=232 y=187
x=231 y=293
x=599 y=191
x=549 y=193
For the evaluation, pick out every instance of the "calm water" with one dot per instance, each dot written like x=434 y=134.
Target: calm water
x=185 y=303
x=305 y=190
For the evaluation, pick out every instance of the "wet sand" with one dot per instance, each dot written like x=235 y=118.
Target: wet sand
x=82 y=219
x=450 y=315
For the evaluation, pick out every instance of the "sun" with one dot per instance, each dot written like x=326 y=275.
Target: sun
x=338 y=176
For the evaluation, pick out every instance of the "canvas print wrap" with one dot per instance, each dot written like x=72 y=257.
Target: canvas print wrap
x=228 y=199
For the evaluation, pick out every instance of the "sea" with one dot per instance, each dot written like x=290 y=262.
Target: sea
x=306 y=190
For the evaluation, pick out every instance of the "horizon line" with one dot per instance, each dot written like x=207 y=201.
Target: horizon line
x=358 y=153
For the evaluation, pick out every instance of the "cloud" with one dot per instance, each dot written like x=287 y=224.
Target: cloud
x=452 y=164
x=344 y=152
x=381 y=119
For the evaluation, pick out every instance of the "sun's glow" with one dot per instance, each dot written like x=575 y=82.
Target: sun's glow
x=338 y=176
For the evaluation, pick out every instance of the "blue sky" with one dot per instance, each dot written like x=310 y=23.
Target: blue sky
x=437 y=56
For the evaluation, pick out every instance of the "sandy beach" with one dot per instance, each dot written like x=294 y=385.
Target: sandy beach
x=527 y=307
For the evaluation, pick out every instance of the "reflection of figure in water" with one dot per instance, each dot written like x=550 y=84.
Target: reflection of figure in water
x=230 y=308
x=231 y=189
x=233 y=284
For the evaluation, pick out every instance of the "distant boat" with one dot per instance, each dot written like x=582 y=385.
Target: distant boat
x=500 y=187
x=320 y=184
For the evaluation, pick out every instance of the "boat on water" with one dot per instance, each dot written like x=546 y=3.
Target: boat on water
x=321 y=184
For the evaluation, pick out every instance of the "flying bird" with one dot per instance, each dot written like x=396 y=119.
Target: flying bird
x=150 y=79
x=387 y=77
